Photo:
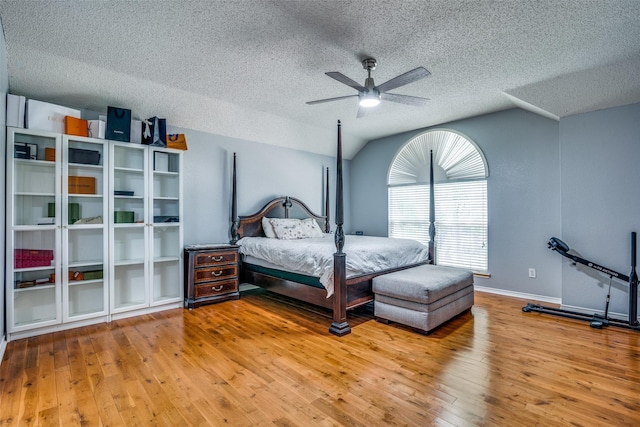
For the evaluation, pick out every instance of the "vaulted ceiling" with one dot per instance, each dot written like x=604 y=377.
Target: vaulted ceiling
x=245 y=68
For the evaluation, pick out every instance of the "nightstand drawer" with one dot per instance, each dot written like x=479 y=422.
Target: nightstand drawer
x=216 y=288
x=217 y=273
x=211 y=274
x=213 y=258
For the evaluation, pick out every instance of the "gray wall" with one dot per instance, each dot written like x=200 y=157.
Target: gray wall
x=600 y=164
x=264 y=172
x=522 y=152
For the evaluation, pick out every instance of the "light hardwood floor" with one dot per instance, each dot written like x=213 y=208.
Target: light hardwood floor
x=263 y=361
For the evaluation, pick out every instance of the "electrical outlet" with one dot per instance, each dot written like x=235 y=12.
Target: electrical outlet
x=532 y=273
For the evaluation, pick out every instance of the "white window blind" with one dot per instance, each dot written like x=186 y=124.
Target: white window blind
x=460 y=198
x=409 y=212
x=461 y=220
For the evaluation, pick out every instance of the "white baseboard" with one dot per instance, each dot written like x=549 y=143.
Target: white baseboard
x=520 y=295
x=551 y=300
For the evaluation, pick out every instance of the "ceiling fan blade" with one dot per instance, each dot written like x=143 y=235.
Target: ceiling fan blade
x=404 y=99
x=346 y=80
x=404 y=79
x=320 y=101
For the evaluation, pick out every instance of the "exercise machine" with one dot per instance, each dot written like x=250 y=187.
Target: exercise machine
x=597 y=320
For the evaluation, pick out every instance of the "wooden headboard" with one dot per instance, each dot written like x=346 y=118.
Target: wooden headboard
x=280 y=207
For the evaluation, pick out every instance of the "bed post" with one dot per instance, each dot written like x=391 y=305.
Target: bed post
x=234 y=206
x=327 y=222
x=339 y=326
x=432 y=213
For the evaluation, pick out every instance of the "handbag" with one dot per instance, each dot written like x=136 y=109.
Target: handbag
x=154 y=132
x=118 y=124
x=177 y=141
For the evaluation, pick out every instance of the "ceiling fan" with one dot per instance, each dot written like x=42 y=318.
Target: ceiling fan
x=370 y=95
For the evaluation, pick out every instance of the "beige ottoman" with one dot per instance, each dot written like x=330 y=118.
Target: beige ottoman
x=422 y=297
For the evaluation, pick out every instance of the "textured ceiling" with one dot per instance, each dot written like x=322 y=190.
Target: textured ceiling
x=245 y=69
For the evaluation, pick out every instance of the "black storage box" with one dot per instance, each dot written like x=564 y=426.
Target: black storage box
x=87 y=157
x=25 y=150
x=21 y=151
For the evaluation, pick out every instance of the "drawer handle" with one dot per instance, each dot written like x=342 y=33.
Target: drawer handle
x=219 y=288
x=216 y=273
x=216 y=259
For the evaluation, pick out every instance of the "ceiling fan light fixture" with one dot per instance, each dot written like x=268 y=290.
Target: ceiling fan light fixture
x=368 y=100
x=371 y=95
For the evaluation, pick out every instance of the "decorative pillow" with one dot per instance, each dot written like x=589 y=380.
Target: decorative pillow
x=291 y=228
x=312 y=227
x=288 y=228
x=268 y=228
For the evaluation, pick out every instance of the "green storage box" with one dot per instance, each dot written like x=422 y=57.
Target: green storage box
x=93 y=275
x=74 y=211
x=123 y=217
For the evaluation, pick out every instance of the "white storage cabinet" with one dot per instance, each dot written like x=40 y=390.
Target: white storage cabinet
x=48 y=252
x=146 y=234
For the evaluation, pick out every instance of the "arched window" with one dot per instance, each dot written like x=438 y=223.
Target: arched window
x=460 y=187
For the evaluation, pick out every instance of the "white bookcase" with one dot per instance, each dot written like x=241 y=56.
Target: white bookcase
x=146 y=232
x=85 y=244
x=33 y=249
x=70 y=261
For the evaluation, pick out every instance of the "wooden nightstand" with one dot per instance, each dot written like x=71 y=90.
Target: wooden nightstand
x=210 y=274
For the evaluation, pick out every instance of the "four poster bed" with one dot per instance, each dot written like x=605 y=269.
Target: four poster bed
x=315 y=268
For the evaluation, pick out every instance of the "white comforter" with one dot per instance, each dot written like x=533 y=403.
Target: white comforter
x=365 y=254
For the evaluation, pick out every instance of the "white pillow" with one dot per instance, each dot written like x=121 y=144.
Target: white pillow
x=313 y=228
x=292 y=228
x=268 y=228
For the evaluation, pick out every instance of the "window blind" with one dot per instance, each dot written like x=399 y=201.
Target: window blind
x=460 y=173
x=461 y=220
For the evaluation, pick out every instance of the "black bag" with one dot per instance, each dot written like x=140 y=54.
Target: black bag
x=118 y=124
x=154 y=132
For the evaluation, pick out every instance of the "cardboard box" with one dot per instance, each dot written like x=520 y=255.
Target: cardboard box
x=50 y=154
x=136 y=132
x=15 y=110
x=96 y=128
x=82 y=185
x=48 y=117
x=75 y=126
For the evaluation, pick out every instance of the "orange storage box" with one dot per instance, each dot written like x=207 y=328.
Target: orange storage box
x=75 y=126
x=50 y=154
x=82 y=185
